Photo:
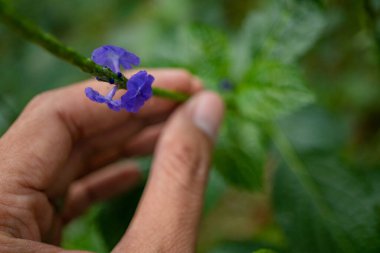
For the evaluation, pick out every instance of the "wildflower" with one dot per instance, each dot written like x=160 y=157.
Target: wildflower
x=139 y=91
x=112 y=57
x=139 y=85
x=96 y=97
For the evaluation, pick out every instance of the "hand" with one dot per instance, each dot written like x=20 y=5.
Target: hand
x=64 y=147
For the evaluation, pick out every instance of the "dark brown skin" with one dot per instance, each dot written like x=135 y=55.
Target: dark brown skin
x=64 y=146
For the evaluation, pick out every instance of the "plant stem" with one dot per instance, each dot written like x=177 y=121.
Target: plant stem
x=164 y=93
x=47 y=41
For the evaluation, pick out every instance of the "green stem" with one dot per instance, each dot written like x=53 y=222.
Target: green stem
x=164 y=93
x=36 y=35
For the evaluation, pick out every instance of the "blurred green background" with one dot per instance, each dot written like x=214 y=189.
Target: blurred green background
x=297 y=165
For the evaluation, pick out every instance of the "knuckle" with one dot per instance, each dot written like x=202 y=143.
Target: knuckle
x=41 y=99
x=185 y=74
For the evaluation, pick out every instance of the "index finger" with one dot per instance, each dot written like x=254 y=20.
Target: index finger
x=42 y=137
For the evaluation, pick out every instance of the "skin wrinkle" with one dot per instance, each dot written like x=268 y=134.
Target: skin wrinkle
x=8 y=231
x=17 y=215
x=30 y=201
x=34 y=200
x=36 y=180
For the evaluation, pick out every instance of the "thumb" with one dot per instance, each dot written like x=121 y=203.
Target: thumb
x=170 y=209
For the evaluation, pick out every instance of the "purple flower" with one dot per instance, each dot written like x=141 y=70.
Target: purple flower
x=139 y=91
x=139 y=85
x=96 y=97
x=113 y=56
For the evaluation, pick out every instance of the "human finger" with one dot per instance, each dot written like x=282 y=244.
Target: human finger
x=99 y=186
x=170 y=208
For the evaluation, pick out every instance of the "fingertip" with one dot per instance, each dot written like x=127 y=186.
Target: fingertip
x=207 y=110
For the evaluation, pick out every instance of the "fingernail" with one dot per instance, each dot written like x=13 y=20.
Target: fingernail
x=207 y=111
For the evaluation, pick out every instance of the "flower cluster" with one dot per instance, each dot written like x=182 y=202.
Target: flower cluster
x=139 y=86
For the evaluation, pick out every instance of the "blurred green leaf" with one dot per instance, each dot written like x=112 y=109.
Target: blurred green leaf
x=212 y=62
x=271 y=90
x=331 y=212
x=240 y=153
x=312 y=129
x=300 y=27
x=316 y=196
x=283 y=31
x=215 y=189
x=83 y=234
x=114 y=216
x=200 y=48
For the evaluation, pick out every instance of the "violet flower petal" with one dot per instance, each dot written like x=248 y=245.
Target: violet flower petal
x=94 y=95
x=114 y=105
x=112 y=57
x=139 y=91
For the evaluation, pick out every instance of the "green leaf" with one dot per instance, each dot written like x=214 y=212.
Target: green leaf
x=240 y=153
x=271 y=90
x=209 y=53
x=282 y=31
x=84 y=234
x=322 y=205
x=200 y=48
x=114 y=216
x=331 y=212
x=301 y=25
x=312 y=129
x=216 y=187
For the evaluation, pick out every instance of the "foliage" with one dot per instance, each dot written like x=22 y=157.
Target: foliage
x=301 y=127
